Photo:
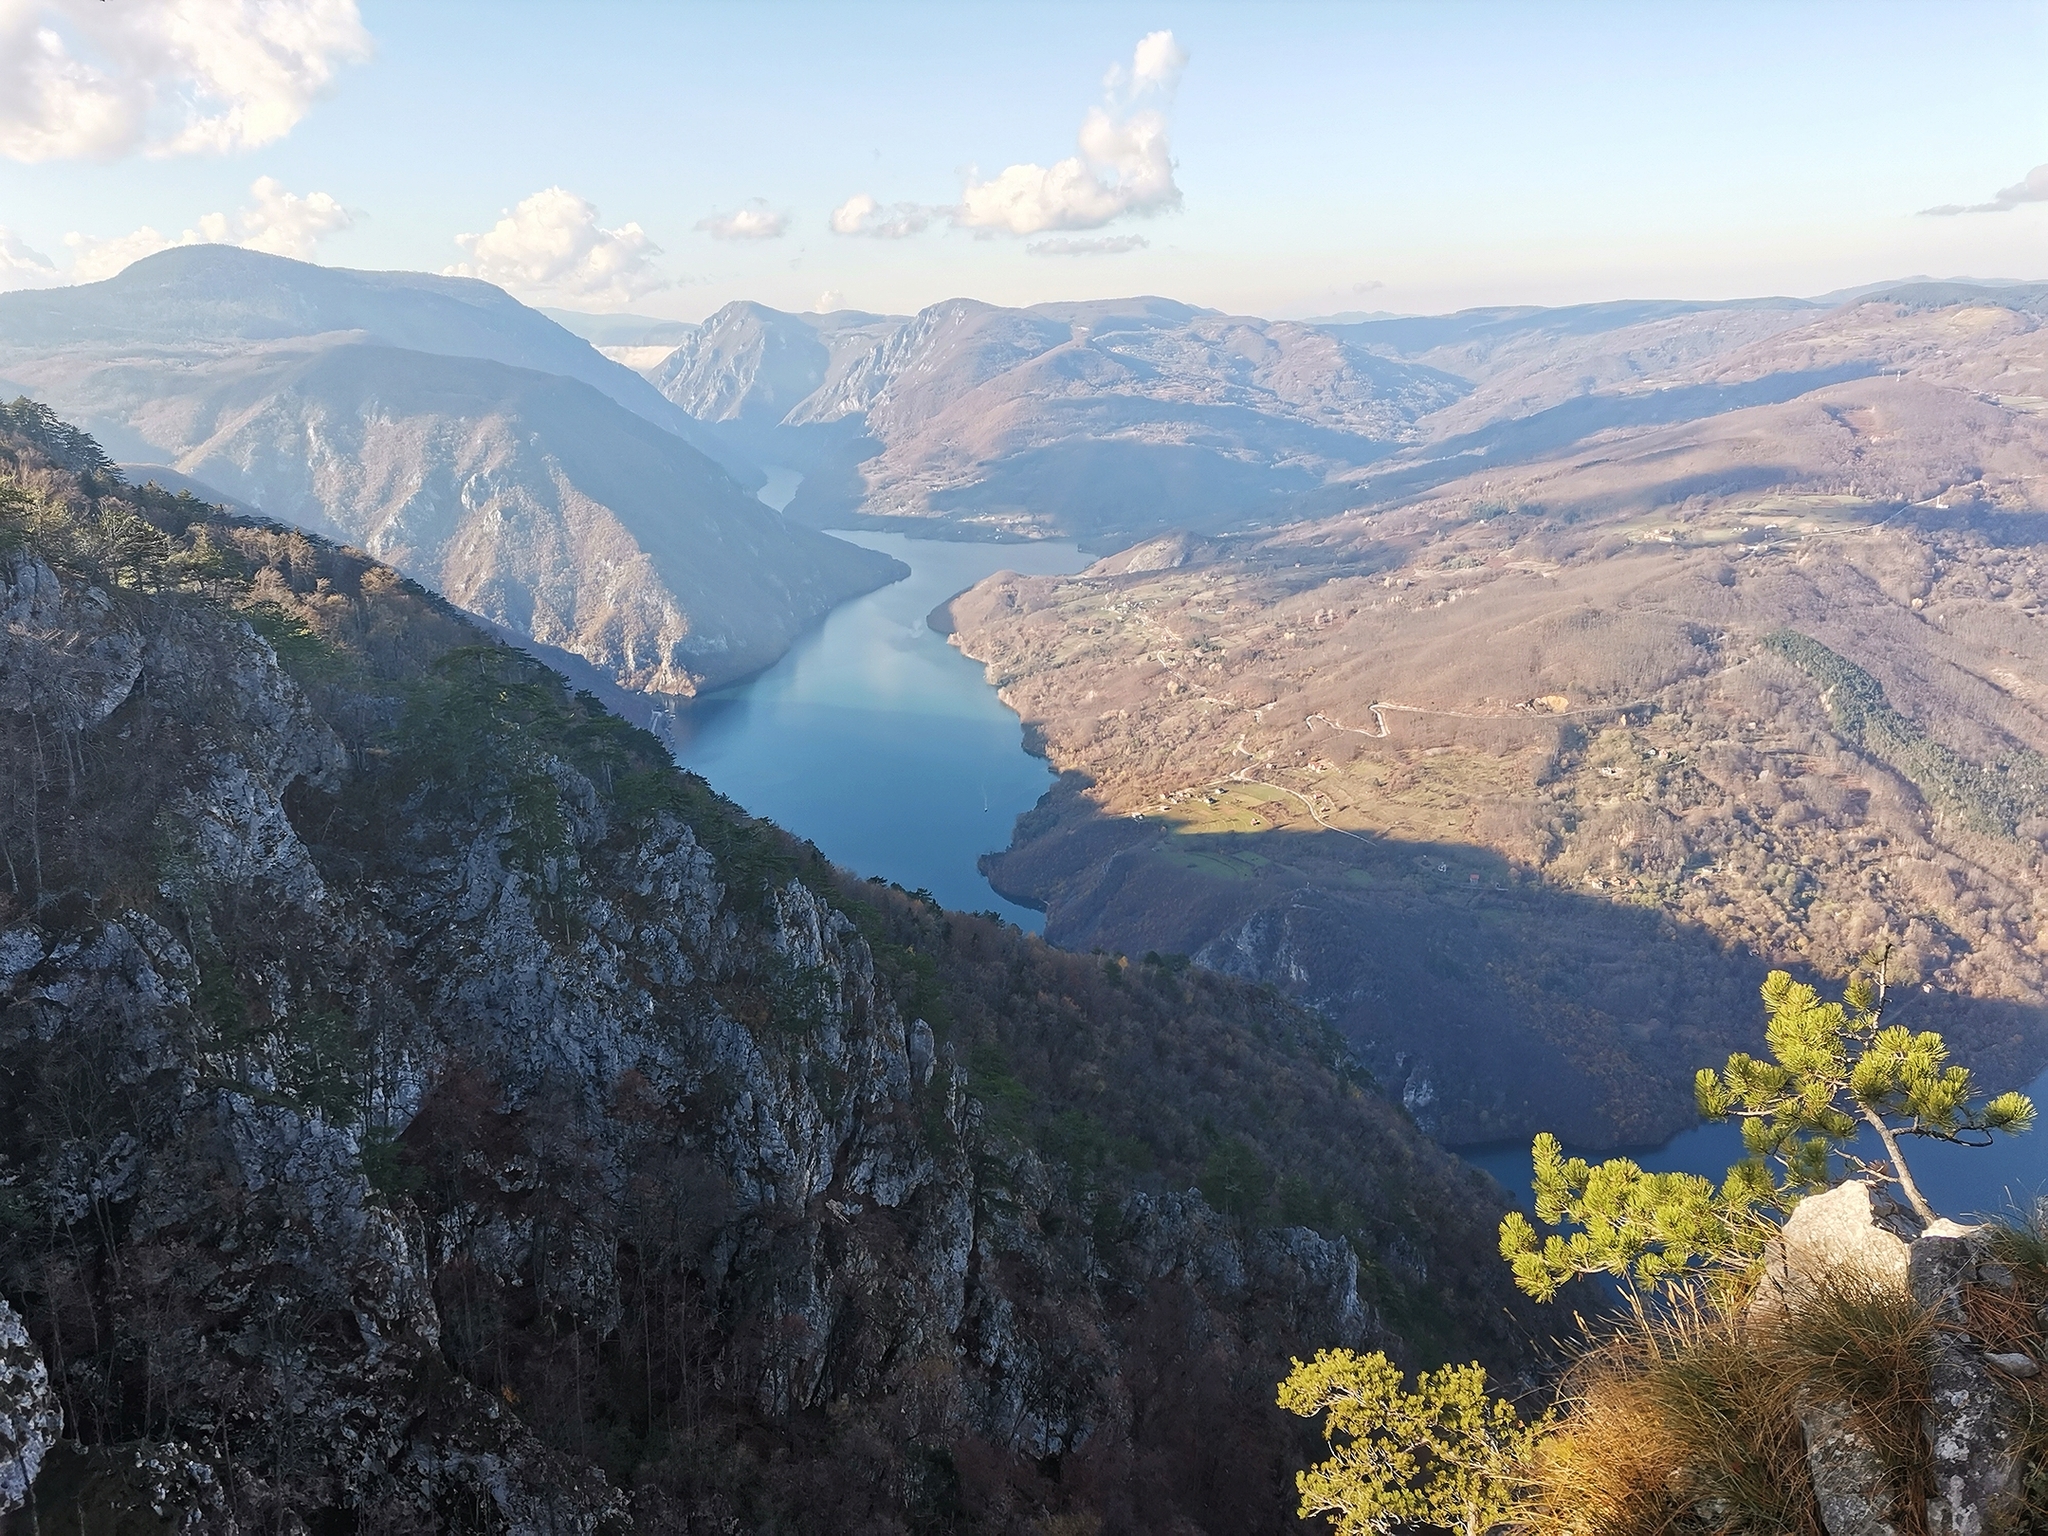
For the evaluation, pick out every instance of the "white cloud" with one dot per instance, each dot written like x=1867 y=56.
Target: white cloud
x=93 y=258
x=862 y=215
x=21 y=266
x=1103 y=245
x=1125 y=165
x=82 y=79
x=828 y=301
x=754 y=221
x=1156 y=65
x=285 y=224
x=551 y=247
x=2032 y=188
x=278 y=221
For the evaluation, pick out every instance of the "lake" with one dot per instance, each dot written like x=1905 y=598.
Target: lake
x=876 y=739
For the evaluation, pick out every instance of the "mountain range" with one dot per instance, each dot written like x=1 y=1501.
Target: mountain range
x=1111 y=420
x=1712 y=642
x=437 y=422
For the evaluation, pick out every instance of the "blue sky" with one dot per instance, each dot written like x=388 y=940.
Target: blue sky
x=1284 y=159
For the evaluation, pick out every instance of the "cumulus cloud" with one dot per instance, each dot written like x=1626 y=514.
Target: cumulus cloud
x=1099 y=245
x=753 y=221
x=1156 y=64
x=278 y=221
x=828 y=301
x=81 y=79
x=551 y=247
x=93 y=258
x=1125 y=164
x=21 y=266
x=2032 y=188
x=862 y=215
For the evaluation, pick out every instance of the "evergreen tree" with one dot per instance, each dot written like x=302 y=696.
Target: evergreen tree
x=1835 y=1069
x=1444 y=1455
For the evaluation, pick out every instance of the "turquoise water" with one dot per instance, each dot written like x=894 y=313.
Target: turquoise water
x=1961 y=1182
x=876 y=739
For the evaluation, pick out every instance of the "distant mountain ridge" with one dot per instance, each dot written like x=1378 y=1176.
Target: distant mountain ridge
x=441 y=425
x=1117 y=420
x=1101 y=419
x=222 y=294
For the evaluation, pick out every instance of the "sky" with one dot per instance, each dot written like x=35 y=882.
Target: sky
x=1281 y=159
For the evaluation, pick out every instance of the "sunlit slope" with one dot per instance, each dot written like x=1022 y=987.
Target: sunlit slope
x=1522 y=780
x=469 y=440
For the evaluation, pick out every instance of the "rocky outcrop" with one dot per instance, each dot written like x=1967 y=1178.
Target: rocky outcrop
x=1851 y=1482
x=1857 y=1234
x=1972 y=1422
x=29 y=1420
x=1854 y=1231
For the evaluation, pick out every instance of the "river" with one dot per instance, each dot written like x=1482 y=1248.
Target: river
x=876 y=739
x=2000 y=1180
x=887 y=748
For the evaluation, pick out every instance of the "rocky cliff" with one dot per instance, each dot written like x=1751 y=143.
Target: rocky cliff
x=426 y=1109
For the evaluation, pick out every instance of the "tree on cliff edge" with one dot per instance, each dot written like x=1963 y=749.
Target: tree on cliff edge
x=1835 y=1069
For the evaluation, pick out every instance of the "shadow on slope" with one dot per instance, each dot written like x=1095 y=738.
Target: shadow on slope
x=1559 y=426
x=1495 y=1004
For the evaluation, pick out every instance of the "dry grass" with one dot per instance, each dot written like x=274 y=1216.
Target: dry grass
x=1679 y=1421
x=1870 y=1346
x=1686 y=1420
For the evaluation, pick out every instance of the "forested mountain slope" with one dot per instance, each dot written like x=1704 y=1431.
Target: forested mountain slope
x=427 y=1109
x=1522 y=772
x=446 y=428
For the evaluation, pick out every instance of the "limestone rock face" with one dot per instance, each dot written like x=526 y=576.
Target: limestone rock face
x=29 y=1420
x=71 y=654
x=1849 y=1481
x=1972 y=1421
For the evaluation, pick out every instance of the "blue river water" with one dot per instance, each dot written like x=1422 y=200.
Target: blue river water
x=886 y=747
x=1966 y=1183
x=876 y=739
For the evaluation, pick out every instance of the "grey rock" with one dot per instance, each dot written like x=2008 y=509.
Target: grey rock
x=70 y=655
x=29 y=1418
x=922 y=1057
x=1850 y=1482
x=1854 y=1229
x=1972 y=1423
x=2018 y=1363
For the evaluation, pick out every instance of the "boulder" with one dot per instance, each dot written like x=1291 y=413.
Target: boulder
x=1849 y=1476
x=1856 y=1228
x=1972 y=1419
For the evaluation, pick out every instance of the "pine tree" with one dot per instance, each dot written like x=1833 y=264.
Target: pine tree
x=1835 y=1069
x=1444 y=1455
